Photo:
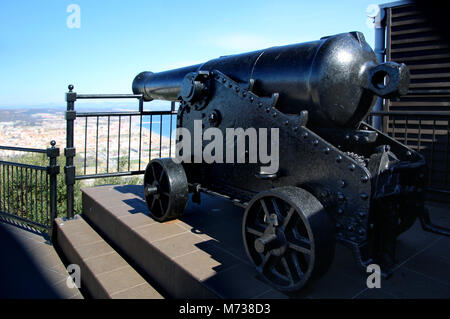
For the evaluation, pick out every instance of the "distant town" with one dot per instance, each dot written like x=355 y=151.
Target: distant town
x=99 y=149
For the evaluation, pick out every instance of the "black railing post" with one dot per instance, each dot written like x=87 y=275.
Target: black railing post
x=53 y=171
x=69 y=151
x=141 y=104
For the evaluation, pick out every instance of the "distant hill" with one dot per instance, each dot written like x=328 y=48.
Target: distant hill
x=26 y=116
x=85 y=106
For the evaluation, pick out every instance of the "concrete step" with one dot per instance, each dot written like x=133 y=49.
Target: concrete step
x=200 y=255
x=104 y=273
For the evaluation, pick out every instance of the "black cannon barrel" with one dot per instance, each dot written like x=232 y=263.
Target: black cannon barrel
x=335 y=78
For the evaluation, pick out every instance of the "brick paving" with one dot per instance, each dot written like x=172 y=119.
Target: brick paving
x=423 y=259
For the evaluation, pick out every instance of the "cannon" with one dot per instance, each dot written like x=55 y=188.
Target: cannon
x=337 y=178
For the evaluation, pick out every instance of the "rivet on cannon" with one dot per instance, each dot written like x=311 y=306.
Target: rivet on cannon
x=286 y=123
x=305 y=135
x=315 y=142
x=295 y=128
x=340 y=211
x=361 y=231
x=364 y=178
x=364 y=196
x=252 y=98
x=274 y=114
x=260 y=104
x=351 y=167
x=408 y=153
x=342 y=183
x=326 y=150
x=340 y=197
x=338 y=158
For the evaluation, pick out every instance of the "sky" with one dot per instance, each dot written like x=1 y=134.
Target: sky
x=40 y=55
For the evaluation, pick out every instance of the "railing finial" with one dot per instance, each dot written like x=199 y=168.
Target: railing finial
x=53 y=143
x=70 y=87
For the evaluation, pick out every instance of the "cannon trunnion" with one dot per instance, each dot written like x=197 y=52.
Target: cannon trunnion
x=338 y=179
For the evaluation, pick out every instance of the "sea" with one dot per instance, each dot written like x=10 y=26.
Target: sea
x=156 y=127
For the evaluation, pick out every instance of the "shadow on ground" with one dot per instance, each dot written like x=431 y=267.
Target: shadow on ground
x=423 y=259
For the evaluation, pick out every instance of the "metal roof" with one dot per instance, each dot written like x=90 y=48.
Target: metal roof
x=396 y=4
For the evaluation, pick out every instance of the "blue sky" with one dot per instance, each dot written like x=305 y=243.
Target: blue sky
x=40 y=55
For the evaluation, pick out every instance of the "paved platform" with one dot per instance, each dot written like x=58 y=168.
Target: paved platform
x=30 y=268
x=202 y=255
x=180 y=256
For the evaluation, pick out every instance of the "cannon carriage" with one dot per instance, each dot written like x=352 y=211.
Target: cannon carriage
x=338 y=179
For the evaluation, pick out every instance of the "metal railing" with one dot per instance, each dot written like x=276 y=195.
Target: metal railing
x=111 y=144
x=28 y=193
x=427 y=132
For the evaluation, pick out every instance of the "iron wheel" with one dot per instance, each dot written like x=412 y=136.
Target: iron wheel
x=165 y=189
x=288 y=236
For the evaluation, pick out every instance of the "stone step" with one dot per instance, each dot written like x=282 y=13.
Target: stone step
x=200 y=255
x=104 y=273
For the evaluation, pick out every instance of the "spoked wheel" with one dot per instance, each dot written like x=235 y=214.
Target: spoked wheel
x=165 y=189
x=288 y=236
